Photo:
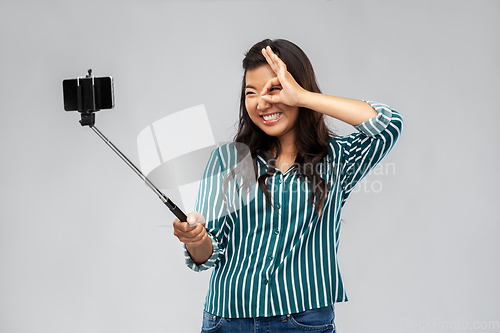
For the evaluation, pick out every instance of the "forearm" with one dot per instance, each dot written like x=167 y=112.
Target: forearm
x=351 y=111
x=200 y=251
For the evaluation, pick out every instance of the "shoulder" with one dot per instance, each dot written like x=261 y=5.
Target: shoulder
x=230 y=154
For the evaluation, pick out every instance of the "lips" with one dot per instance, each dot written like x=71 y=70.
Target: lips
x=273 y=118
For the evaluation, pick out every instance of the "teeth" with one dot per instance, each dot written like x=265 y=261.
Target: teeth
x=272 y=116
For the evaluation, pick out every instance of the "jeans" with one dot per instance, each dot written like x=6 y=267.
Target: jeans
x=316 y=320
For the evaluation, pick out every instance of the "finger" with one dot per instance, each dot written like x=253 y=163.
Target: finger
x=195 y=240
x=270 y=58
x=198 y=233
x=192 y=236
x=193 y=231
x=272 y=99
x=279 y=65
x=269 y=84
x=266 y=55
x=276 y=64
x=185 y=236
x=184 y=226
x=176 y=224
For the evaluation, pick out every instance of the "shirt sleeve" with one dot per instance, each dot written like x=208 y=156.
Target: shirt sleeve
x=366 y=148
x=210 y=203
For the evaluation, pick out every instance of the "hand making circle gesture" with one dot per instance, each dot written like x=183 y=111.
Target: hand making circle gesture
x=290 y=91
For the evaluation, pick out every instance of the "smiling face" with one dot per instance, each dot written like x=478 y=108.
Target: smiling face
x=274 y=119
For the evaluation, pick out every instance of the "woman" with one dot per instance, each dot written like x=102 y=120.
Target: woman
x=272 y=234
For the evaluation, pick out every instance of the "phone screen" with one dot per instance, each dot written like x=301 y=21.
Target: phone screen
x=88 y=94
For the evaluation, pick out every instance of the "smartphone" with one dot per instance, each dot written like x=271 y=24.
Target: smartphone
x=88 y=94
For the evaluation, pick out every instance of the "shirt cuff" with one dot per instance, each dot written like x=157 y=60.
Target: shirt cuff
x=377 y=124
x=217 y=253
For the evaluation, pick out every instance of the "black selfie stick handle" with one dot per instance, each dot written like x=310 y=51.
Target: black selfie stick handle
x=169 y=203
x=177 y=211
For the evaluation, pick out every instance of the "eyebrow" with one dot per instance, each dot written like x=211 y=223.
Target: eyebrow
x=250 y=87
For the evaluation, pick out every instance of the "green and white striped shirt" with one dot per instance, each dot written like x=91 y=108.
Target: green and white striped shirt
x=280 y=261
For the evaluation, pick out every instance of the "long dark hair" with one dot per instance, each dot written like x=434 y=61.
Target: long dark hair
x=311 y=132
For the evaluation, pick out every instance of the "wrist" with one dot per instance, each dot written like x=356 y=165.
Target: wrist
x=201 y=250
x=305 y=99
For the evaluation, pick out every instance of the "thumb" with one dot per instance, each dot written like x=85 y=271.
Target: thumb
x=191 y=220
x=194 y=218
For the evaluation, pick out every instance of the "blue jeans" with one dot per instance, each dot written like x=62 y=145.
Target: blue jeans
x=316 y=320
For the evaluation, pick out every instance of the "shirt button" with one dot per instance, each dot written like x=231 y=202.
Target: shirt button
x=278 y=205
x=281 y=181
x=265 y=281
x=270 y=257
x=276 y=232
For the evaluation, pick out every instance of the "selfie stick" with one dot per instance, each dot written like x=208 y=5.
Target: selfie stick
x=176 y=210
x=88 y=119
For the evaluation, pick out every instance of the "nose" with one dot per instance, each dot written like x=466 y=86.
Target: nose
x=262 y=104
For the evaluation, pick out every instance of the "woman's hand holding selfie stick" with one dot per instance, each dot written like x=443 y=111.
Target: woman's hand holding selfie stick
x=194 y=235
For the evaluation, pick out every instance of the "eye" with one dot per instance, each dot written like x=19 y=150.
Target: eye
x=274 y=88
x=249 y=93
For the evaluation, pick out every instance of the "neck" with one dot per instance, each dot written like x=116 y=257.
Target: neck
x=288 y=148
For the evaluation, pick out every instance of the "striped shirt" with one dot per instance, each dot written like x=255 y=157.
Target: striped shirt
x=283 y=259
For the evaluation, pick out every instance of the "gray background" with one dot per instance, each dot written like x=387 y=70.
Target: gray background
x=86 y=247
